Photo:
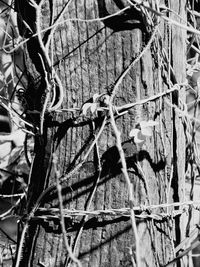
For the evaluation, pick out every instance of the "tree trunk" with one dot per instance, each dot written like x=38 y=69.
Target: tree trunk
x=89 y=57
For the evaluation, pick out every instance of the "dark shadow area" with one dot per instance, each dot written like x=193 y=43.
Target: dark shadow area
x=77 y=47
x=73 y=224
x=62 y=130
x=117 y=235
x=196 y=259
x=128 y=20
x=111 y=167
x=9 y=184
x=92 y=51
x=111 y=159
x=5 y=124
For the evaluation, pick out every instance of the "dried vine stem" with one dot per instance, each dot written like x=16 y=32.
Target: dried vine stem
x=170 y=21
x=44 y=108
x=91 y=196
x=134 y=61
x=128 y=106
x=56 y=23
x=47 y=60
x=167 y=19
x=128 y=182
x=62 y=220
x=78 y=166
x=13 y=114
x=63 y=22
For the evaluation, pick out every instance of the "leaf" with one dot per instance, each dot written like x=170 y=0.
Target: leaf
x=152 y=123
x=85 y=108
x=93 y=107
x=9 y=226
x=139 y=138
x=149 y=123
x=95 y=97
x=5 y=149
x=146 y=131
x=146 y=127
x=134 y=132
x=18 y=137
x=106 y=99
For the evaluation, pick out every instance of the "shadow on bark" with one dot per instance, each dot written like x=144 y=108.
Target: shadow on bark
x=128 y=20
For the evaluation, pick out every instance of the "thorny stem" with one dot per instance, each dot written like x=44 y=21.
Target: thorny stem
x=125 y=211
x=129 y=184
x=51 y=214
x=62 y=219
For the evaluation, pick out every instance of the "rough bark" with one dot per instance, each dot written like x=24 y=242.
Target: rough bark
x=89 y=57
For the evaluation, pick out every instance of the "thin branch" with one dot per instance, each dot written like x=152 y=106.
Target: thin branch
x=51 y=107
x=137 y=59
x=176 y=87
x=61 y=14
x=78 y=166
x=62 y=220
x=128 y=182
x=91 y=196
x=65 y=21
x=13 y=114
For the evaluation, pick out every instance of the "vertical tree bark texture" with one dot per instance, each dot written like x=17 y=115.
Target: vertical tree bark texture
x=178 y=37
x=89 y=57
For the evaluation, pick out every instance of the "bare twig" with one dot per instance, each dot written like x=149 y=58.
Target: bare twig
x=56 y=23
x=78 y=166
x=62 y=220
x=52 y=106
x=63 y=22
x=91 y=196
x=128 y=182
x=134 y=61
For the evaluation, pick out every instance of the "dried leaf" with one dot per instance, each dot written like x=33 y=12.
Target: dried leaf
x=93 y=107
x=134 y=132
x=146 y=127
x=95 y=97
x=18 y=137
x=85 y=108
x=106 y=99
x=139 y=138
x=146 y=131
x=149 y=123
